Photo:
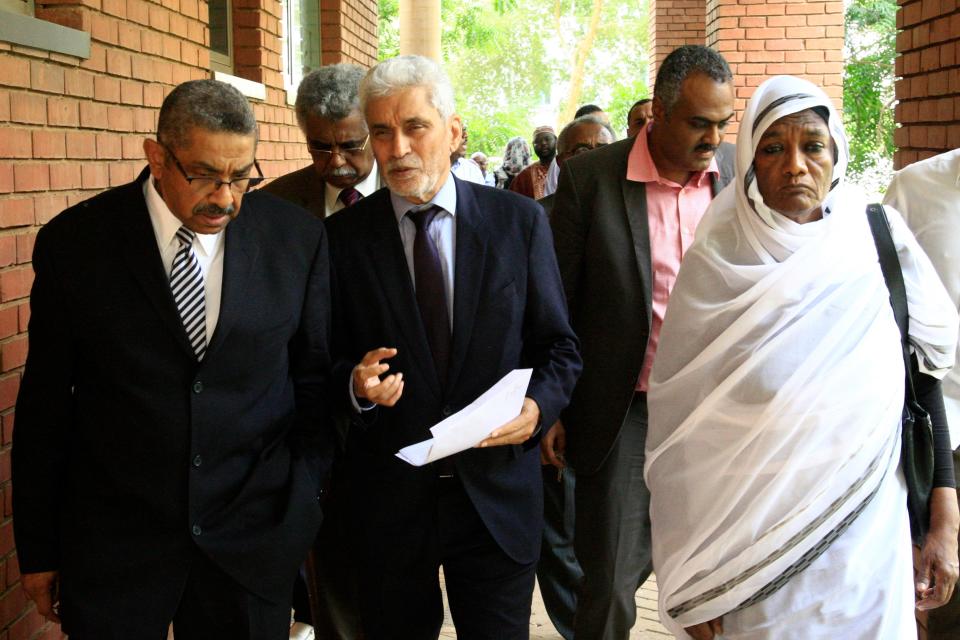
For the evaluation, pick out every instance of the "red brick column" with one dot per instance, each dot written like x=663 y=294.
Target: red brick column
x=761 y=38
x=928 y=85
x=348 y=31
x=673 y=23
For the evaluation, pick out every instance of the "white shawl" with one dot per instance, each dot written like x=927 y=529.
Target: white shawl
x=777 y=388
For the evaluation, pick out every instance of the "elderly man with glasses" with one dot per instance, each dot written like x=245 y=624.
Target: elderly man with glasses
x=328 y=112
x=171 y=425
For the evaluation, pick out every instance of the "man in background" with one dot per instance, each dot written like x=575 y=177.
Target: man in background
x=530 y=181
x=639 y=116
x=343 y=169
x=481 y=159
x=462 y=166
x=927 y=193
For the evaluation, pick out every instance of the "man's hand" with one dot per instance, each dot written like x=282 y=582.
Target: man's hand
x=552 y=446
x=706 y=630
x=44 y=589
x=938 y=559
x=517 y=430
x=367 y=383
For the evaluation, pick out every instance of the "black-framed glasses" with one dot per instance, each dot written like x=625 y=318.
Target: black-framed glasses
x=208 y=184
x=326 y=151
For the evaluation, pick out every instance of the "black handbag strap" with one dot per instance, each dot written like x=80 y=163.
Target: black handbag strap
x=893 y=276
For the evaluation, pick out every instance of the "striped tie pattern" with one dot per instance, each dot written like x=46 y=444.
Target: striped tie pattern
x=186 y=282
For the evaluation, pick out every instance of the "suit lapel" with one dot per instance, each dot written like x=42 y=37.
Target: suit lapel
x=241 y=249
x=471 y=243
x=385 y=253
x=635 y=210
x=143 y=257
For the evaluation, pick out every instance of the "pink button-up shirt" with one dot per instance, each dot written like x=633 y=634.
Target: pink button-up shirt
x=673 y=213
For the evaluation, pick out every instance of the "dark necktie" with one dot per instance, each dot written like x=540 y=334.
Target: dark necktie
x=186 y=282
x=431 y=292
x=350 y=196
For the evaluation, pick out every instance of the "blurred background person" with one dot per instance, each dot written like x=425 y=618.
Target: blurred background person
x=639 y=116
x=530 y=181
x=462 y=166
x=481 y=159
x=516 y=156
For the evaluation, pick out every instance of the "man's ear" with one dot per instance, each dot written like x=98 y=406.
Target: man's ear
x=456 y=132
x=659 y=112
x=156 y=157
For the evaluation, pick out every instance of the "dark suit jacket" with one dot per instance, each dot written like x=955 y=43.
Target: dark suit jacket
x=302 y=187
x=600 y=231
x=509 y=313
x=128 y=453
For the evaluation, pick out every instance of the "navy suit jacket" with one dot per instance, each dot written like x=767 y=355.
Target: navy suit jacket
x=509 y=312
x=128 y=453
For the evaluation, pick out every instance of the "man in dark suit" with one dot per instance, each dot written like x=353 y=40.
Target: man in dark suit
x=622 y=218
x=343 y=169
x=170 y=425
x=450 y=286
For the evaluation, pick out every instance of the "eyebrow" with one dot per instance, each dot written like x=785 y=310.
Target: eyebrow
x=810 y=131
x=702 y=120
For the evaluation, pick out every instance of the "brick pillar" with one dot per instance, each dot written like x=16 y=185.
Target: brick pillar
x=674 y=23
x=761 y=38
x=928 y=84
x=348 y=31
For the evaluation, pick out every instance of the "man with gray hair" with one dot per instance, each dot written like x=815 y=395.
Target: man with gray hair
x=171 y=434
x=622 y=219
x=328 y=112
x=441 y=288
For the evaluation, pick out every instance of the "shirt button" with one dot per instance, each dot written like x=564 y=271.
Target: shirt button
x=197 y=530
x=197 y=386
x=446 y=411
x=197 y=461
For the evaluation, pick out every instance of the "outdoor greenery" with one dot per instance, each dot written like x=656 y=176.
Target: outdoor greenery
x=517 y=65
x=868 y=96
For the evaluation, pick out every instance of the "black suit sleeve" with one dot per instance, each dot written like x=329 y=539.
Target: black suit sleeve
x=44 y=419
x=929 y=392
x=313 y=434
x=569 y=233
x=550 y=346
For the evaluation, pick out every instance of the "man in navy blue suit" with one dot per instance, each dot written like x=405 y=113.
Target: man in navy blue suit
x=441 y=287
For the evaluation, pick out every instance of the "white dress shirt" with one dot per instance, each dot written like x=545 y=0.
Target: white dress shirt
x=208 y=248
x=467 y=169
x=553 y=175
x=927 y=193
x=331 y=194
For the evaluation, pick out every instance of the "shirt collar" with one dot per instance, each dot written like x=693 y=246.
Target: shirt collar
x=446 y=199
x=366 y=186
x=165 y=224
x=641 y=167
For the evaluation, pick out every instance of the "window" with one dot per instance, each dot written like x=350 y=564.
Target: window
x=301 y=41
x=221 y=35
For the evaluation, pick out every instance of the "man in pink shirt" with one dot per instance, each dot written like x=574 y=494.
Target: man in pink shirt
x=623 y=218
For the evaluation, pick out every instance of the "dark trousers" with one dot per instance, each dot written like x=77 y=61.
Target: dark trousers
x=211 y=605
x=612 y=539
x=489 y=593
x=558 y=572
x=944 y=623
x=336 y=577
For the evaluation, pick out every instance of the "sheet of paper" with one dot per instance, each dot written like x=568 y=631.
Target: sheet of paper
x=498 y=405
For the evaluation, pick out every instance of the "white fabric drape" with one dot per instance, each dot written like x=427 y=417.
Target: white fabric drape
x=776 y=392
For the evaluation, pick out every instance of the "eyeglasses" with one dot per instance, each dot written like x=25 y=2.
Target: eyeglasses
x=326 y=151
x=208 y=184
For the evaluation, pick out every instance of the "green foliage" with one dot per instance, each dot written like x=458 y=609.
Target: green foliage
x=868 y=81
x=510 y=62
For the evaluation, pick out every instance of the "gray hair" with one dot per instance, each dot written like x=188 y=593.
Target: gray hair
x=405 y=72
x=587 y=119
x=683 y=61
x=330 y=92
x=205 y=104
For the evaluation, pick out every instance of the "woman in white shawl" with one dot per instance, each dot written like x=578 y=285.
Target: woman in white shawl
x=775 y=402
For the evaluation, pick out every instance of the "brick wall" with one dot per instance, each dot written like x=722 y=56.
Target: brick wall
x=673 y=23
x=928 y=84
x=71 y=127
x=761 y=38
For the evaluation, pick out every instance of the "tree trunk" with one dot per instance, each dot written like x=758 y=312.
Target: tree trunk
x=580 y=57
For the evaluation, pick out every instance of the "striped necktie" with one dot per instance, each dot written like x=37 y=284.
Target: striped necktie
x=350 y=197
x=186 y=282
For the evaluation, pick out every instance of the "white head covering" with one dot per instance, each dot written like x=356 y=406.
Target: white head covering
x=777 y=387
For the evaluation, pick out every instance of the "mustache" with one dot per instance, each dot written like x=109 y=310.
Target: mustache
x=344 y=172
x=212 y=210
x=705 y=147
x=411 y=163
